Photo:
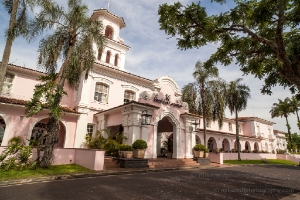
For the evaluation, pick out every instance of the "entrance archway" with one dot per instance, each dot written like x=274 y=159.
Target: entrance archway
x=177 y=151
x=236 y=147
x=225 y=145
x=2 y=129
x=247 y=146
x=256 y=147
x=211 y=143
x=40 y=128
x=165 y=139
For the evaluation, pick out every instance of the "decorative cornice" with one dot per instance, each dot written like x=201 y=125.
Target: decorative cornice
x=166 y=80
x=130 y=87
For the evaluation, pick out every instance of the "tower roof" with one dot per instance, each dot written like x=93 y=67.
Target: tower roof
x=106 y=13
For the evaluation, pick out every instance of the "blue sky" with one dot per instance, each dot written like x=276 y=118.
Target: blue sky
x=153 y=55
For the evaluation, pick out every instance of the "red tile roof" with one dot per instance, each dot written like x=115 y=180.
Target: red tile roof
x=21 y=102
x=254 y=118
x=191 y=114
x=126 y=104
x=227 y=133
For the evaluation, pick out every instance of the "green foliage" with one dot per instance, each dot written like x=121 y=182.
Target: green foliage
x=16 y=155
x=270 y=161
x=189 y=95
x=263 y=37
x=199 y=147
x=168 y=144
x=283 y=109
x=112 y=147
x=125 y=147
x=279 y=151
x=139 y=144
x=111 y=143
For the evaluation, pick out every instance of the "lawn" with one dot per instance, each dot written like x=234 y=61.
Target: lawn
x=270 y=161
x=40 y=172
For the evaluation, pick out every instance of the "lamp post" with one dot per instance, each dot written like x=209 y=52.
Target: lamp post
x=146 y=118
x=196 y=124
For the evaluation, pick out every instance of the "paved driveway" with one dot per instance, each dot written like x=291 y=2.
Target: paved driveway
x=241 y=182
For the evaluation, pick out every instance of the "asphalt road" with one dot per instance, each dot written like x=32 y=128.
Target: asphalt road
x=242 y=182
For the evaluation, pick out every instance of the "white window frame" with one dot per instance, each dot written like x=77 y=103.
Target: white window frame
x=7 y=84
x=39 y=128
x=133 y=97
x=92 y=126
x=230 y=127
x=107 y=94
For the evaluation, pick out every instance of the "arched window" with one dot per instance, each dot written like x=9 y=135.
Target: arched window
x=109 y=32
x=38 y=130
x=129 y=96
x=2 y=130
x=101 y=93
x=7 y=84
x=99 y=54
x=107 y=57
x=116 y=59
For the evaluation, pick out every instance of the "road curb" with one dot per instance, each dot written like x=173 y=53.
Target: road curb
x=96 y=174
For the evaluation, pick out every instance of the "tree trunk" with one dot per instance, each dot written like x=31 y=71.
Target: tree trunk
x=51 y=140
x=298 y=121
x=237 y=135
x=289 y=131
x=202 y=93
x=9 y=41
x=53 y=124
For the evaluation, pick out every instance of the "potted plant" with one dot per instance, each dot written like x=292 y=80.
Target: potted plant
x=206 y=152
x=199 y=151
x=216 y=150
x=221 y=150
x=126 y=150
x=139 y=148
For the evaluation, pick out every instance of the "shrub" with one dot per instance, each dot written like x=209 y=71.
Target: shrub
x=255 y=151
x=139 y=144
x=125 y=147
x=279 y=151
x=16 y=155
x=199 y=147
x=111 y=148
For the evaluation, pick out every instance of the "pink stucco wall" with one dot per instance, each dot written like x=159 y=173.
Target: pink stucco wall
x=114 y=119
x=91 y=159
x=15 y=126
x=248 y=156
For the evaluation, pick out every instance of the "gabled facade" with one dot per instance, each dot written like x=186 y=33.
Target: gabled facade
x=115 y=100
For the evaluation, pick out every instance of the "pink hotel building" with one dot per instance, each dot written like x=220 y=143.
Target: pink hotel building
x=113 y=99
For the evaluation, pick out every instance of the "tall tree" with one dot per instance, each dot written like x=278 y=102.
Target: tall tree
x=237 y=95
x=18 y=25
x=72 y=41
x=262 y=36
x=283 y=108
x=295 y=104
x=211 y=104
x=189 y=95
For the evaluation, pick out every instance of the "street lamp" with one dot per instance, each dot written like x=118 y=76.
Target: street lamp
x=146 y=118
x=196 y=124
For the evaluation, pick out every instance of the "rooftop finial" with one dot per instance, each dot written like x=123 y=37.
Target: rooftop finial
x=108 y=5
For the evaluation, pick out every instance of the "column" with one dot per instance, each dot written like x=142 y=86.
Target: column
x=188 y=146
x=81 y=129
x=145 y=131
x=154 y=155
x=177 y=147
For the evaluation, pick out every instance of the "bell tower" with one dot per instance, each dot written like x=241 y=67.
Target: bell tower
x=114 y=51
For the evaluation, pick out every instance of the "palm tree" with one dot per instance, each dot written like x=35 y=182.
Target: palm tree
x=237 y=95
x=72 y=41
x=295 y=104
x=283 y=108
x=18 y=25
x=189 y=95
x=210 y=103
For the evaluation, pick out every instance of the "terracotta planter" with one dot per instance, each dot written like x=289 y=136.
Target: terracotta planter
x=139 y=153
x=206 y=155
x=127 y=154
x=169 y=155
x=198 y=154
